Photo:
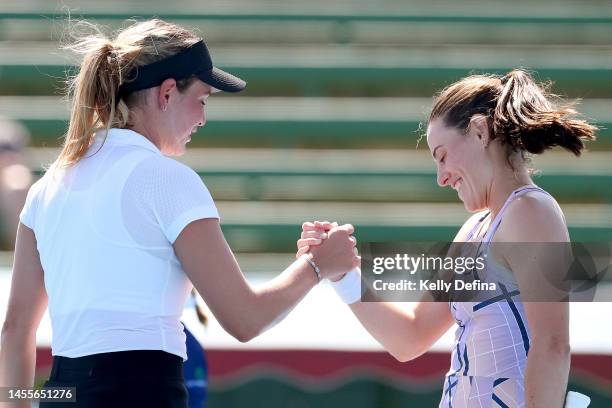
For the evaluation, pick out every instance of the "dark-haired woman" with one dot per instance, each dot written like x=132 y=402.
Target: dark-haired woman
x=507 y=352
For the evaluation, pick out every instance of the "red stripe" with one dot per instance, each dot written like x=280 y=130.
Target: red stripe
x=316 y=363
x=598 y=367
x=43 y=358
x=321 y=363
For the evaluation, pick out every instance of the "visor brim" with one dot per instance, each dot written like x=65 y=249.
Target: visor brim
x=222 y=81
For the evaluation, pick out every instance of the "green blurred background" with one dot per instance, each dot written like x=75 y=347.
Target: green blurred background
x=329 y=124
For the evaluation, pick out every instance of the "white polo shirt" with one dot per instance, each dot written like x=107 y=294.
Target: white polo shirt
x=104 y=230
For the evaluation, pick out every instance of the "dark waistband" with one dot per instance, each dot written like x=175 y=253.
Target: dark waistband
x=124 y=363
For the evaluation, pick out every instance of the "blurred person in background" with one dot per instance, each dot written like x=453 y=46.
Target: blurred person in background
x=15 y=179
x=195 y=368
x=507 y=352
x=115 y=233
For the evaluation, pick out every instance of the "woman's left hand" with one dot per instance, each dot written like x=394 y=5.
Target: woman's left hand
x=313 y=234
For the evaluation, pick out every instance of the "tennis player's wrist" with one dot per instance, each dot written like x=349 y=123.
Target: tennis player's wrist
x=339 y=278
x=312 y=265
x=349 y=288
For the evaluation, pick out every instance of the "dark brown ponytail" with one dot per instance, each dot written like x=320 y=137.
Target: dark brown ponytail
x=519 y=111
x=527 y=120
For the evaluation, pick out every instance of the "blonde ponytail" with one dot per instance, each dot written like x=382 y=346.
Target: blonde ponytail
x=93 y=92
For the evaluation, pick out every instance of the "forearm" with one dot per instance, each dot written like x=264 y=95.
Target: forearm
x=547 y=371
x=17 y=360
x=406 y=330
x=391 y=326
x=272 y=301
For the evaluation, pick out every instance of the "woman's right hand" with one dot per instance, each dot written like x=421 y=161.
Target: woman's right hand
x=337 y=254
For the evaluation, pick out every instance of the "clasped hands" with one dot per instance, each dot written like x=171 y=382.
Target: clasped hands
x=331 y=246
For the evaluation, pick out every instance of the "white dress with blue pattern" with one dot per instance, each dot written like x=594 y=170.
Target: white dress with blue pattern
x=492 y=338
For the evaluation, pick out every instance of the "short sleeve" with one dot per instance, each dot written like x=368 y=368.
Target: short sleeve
x=28 y=214
x=173 y=193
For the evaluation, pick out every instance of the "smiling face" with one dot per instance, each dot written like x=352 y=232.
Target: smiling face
x=462 y=162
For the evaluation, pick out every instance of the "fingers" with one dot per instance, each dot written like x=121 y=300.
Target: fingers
x=325 y=225
x=306 y=242
x=308 y=226
x=337 y=254
x=314 y=234
x=318 y=225
x=302 y=251
x=348 y=228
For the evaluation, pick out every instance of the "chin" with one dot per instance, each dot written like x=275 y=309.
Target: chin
x=473 y=208
x=177 y=151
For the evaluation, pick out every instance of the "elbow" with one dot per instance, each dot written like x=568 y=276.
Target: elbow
x=561 y=348
x=9 y=332
x=405 y=354
x=15 y=333
x=402 y=357
x=7 y=328
x=555 y=345
x=242 y=326
x=564 y=349
x=243 y=332
x=243 y=336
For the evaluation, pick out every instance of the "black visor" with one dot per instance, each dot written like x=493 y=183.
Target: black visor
x=192 y=61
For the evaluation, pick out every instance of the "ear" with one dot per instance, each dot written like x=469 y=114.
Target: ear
x=165 y=91
x=479 y=126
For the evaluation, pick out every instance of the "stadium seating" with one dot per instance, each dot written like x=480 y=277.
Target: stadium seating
x=331 y=127
x=335 y=107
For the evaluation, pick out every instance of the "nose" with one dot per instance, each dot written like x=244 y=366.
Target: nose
x=443 y=177
x=202 y=121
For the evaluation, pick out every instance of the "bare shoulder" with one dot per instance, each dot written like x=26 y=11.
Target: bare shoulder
x=533 y=217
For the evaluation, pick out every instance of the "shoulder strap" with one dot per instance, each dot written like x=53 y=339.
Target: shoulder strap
x=514 y=195
x=476 y=225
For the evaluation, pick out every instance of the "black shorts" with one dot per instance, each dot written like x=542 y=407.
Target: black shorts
x=140 y=378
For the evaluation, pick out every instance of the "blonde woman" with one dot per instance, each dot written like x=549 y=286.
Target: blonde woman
x=115 y=233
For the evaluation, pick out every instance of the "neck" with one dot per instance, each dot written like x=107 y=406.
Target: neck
x=146 y=129
x=501 y=187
